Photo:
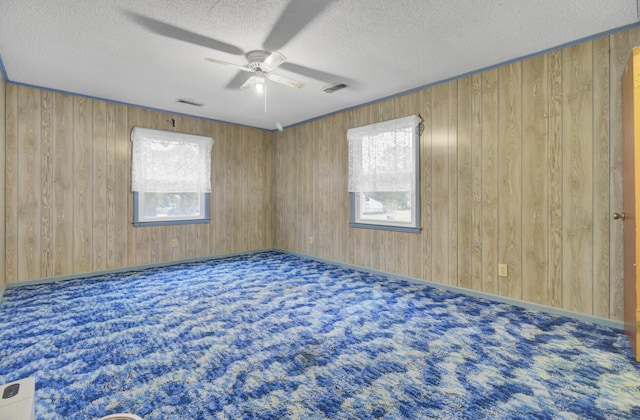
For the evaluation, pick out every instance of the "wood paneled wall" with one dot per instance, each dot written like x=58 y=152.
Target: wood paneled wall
x=66 y=187
x=2 y=165
x=521 y=165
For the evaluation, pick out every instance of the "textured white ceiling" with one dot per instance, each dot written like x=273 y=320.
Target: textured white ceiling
x=151 y=53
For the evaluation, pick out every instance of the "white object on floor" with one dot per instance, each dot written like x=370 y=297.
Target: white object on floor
x=120 y=416
x=17 y=400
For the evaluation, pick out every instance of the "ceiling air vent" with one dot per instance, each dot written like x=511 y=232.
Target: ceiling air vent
x=188 y=102
x=332 y=88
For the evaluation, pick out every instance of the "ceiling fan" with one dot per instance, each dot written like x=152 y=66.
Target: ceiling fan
x=262 y=63
x=294 y=18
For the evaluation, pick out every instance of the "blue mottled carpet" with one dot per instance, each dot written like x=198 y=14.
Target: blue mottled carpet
x=272 y=335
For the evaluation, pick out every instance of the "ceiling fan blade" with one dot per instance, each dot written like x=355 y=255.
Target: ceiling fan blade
x=238 y=80
x=248 y=83
x=285 y=81
x=315 y=74
x=273 y=61
x=225 y=63
x=293 y=19
x=175 y=32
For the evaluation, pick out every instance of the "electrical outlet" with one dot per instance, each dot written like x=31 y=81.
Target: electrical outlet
x=503 y=270
x=310 y=240
x=174 y=243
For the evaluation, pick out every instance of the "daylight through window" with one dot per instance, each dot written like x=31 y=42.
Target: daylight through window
x=384 y=173
x=170 y=177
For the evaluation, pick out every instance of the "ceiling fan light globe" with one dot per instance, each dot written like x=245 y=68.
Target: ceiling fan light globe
x=259 y=81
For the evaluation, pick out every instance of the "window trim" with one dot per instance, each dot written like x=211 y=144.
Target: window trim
x=414 y=227
x=140 y=222
x=381 y=225
x=195 y=174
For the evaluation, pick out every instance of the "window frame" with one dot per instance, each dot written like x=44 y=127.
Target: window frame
x=149 y=173
x=414 y=226
x=140 y=221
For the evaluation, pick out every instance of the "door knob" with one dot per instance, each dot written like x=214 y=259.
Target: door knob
x=617 y=216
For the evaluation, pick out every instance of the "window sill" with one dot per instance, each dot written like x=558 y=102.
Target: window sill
x=171 y=222
x=385 y=227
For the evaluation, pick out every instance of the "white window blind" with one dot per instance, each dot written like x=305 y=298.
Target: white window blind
x=382 y=156
x=169 y=162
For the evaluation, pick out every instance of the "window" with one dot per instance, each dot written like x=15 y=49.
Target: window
x=384 y=175
x=170 y=177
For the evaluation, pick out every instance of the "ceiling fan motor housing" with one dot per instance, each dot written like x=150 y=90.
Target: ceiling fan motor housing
x=256 y=58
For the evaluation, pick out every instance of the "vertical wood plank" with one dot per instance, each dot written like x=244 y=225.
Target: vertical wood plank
x=555 y=169
x=321 y=191
x=46 y=194
x=298 y=235
x=83 y=180
x=535 y=158
x=29 y=182
x=203 y=128
x=99 y=185
x=490 y=181
x=254 y=184
x=452 y=133
x=220 y=196
x=476 y=182
x=510 y=178
x=578 y=179
x=426 y=183
x=266 y=176
x=601 y=211
x=256 y=142
x=229 y=208
x=247 y=170
x=11 y=183
x=332 y=239
x=123 y=213
x=110 y=187
x=283 y=181
x=465 y=184
x=233 y=179
x=291 y=208
x=283 y=151
x=241 y=176
x=63 y=179
x=440 y=184
x=249 y=192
